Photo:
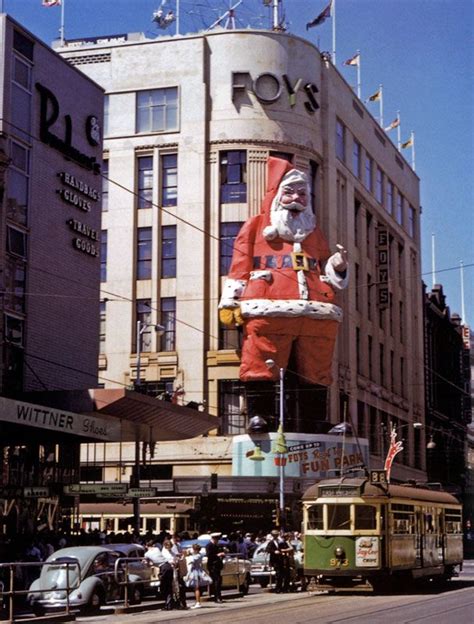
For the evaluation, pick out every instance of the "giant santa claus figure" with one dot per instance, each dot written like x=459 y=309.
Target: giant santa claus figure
x=281 y=284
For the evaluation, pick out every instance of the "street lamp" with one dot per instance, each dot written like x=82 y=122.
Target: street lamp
x=135 y=478
x=280 y=446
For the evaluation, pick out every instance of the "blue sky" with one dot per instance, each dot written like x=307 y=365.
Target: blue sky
x=422 y=51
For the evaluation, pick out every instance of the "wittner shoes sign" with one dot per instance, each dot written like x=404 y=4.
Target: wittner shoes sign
x=58 y=420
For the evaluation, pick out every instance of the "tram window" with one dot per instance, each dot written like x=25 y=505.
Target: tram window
x=125 y=523
x=315 y=518
x=453 y=522
x=339 y=517
x=403 y=523
x=365 y=517
x=429 y=523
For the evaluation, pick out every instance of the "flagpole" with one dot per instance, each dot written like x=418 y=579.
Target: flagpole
x=399 y=132
x=413 y=150
x=177 y=17
x=381 y=105
x=61 y=28
x=358 y=75
x=333 y=12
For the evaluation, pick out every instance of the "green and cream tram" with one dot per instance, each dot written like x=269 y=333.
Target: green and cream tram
x=363 y=535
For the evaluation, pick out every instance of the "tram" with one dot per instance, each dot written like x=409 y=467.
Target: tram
x=374 y=536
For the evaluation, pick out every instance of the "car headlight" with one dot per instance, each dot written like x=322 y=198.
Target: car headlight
x=339 y=552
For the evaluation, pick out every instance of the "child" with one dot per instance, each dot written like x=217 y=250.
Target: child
x=196 y=576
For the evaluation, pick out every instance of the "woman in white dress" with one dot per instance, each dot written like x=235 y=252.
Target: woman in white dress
x=196 y=577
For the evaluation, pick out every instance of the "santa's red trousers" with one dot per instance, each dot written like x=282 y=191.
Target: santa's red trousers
x=311 y=340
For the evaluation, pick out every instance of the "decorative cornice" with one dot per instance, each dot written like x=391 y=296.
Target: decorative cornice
x=265 y=143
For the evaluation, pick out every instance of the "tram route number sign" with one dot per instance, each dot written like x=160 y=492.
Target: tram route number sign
x=378 y=476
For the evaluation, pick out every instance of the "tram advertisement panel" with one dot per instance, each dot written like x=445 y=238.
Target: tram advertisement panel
x=308 y=455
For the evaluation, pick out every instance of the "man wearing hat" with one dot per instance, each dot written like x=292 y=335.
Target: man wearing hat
x=279 y=549
x=282 y=281
x=215 y=563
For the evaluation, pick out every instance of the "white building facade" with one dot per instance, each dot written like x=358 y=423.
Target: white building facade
x=189 y=124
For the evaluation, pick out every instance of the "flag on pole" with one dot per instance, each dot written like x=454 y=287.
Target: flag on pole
x=394 y=448
x=51 y=3
x=395 y=123
x=354 y=60
x=375 y=97
x=408 y=143
x=321 y=18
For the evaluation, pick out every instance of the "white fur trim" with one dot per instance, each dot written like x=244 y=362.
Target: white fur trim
x=332 y=276
x=231 y=292
x=290 y=308
x=258 y=275
x=270 y=232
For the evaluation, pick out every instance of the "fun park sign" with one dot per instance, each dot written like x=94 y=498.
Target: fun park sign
x=307 y=455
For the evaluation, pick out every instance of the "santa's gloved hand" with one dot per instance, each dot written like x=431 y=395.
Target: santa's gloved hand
x=231 y=316
x=339 y=259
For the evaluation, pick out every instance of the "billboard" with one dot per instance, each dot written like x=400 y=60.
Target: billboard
x=315 y=456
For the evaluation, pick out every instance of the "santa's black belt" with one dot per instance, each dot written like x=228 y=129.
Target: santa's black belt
x=296 y=260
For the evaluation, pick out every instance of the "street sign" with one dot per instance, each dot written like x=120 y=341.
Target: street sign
x=149 y=492
x=106 y=489
x=36 y=492
x=378 y=476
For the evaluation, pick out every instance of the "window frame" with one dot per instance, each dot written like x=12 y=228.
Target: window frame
x=169 y=252
x=145 y=182
x=233 y=191
x=150 y=127
x=172 y=201
x=144 y=251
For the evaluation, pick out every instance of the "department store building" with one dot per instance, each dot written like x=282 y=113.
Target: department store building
x=190 y=122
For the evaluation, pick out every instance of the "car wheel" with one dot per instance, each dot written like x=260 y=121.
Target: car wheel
x=263 y=583
x=134 y=594
x=95 y=602
x=244 y=588
x=38 y=610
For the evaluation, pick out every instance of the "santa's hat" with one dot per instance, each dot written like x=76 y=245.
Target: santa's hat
x=279 y=171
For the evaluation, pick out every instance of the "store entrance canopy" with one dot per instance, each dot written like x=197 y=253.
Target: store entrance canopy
x=146 y=418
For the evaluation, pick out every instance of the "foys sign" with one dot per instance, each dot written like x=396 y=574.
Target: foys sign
x=269 y=88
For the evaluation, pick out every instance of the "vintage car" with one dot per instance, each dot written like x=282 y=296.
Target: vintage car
x=236 y=570
x=94 y=574
x=263 y=573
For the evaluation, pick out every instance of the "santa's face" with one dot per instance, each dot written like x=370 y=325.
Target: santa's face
x=291 y=217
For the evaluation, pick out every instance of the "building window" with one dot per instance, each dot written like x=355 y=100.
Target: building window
x=358 y=353
x=168 y=320
x=368 y=232
x=230 y=337
x=18 y=182
x=143 y=315
x=228 y=234
x=357 y=286
x=402 y=376
x=157 y=110
x=14 y=282
x=233 y=172
x=368 y=173
x=369 y=296
x=145 y=181
x=106 y=114
x=21 y=98
x=168 y=251
x=369 y=354
x=379 y=186
x=105 y=186
x=356 y=221
x=356 y=158
x=382 y=364
x=340 y=140
x=144 y=244
x=169 y=180
x=411 y=221
x=233 y=420
x=389 y=204
x=103 y=256
x=402 y=325
x=14 y=329
x=16 y=242
x=392 y=370
x=103 y=305
x=399 y=211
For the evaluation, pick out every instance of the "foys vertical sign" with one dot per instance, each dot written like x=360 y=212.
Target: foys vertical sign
x=49 y=115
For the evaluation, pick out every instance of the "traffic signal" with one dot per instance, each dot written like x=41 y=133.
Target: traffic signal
x=214 y=481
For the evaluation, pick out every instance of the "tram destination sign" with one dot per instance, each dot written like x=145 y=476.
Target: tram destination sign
x=339 y=491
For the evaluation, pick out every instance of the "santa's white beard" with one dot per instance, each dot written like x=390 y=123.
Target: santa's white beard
x=289 y=226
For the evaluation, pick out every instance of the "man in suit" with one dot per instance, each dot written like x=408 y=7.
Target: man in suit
x=215 y=563
x=278 y=550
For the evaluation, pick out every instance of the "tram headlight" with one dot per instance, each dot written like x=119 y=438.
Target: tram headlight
x=339 y=553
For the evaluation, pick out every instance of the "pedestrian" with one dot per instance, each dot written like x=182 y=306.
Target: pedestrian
x=180 y=568
x=196 y=576
x=215 y=562
x=158 y=558
x=278 y=550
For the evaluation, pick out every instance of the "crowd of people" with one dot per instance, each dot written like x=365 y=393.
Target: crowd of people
x=179 y=568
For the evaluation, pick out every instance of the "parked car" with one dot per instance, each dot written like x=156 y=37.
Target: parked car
x=138 y=567
x=236 y=570
x=94 y=575
x=263 y=573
